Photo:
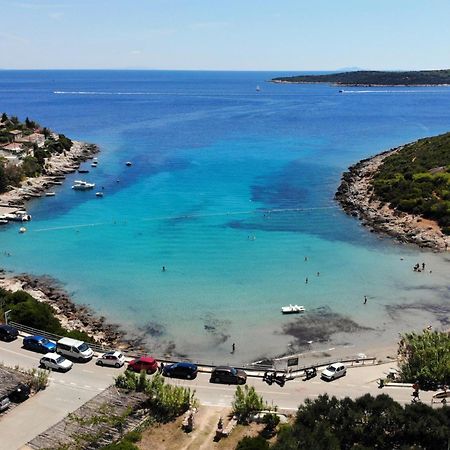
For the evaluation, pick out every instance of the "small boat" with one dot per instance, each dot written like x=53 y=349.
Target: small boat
x=18 y=216
x=99 y=194
x=3 y=222
x=82 y=185
x=128 y=163
x=50 y=194
x=292 y=309
x=22 y=230
x=258 y=89
x=94 y=164
x=83 y=171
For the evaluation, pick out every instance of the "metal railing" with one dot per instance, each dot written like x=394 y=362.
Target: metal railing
x=293 y=372
x=54 y=337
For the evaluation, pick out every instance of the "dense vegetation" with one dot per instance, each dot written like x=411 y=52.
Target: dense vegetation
x=365 y=423
x=375 y=78
x=33 y=163
x=26 y=310
x=417 y=179
x=425 y=358
x=166 y=401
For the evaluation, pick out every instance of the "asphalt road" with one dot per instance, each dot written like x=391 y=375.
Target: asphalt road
x=68 y=391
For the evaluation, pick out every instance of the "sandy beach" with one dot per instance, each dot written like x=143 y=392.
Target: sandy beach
x=355 y=195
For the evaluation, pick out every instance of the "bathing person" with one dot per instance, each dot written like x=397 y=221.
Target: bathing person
x=163 y=268
x=365 y=299
x=306 y=280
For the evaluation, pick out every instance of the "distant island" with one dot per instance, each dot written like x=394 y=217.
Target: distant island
x=375 y=78
x=404 y=192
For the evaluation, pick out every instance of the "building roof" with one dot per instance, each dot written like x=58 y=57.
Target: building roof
x=13 y=147
x=15 y=132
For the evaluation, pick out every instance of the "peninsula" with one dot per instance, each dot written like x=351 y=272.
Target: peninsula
x=375 y=78
x=404 y=192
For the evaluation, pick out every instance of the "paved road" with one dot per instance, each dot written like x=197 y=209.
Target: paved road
x=70 y=390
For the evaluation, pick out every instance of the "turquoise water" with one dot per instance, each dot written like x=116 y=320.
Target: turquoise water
x=230 y=190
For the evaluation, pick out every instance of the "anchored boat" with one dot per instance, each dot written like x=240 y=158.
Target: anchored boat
x=292 y=309
x=82 y=185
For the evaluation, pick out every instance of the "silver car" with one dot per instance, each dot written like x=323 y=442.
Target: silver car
x=334 y=371
x=114 y=359
x=53 y=361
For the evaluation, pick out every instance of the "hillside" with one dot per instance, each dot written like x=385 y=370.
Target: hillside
x=374 y=78
x=416 y=179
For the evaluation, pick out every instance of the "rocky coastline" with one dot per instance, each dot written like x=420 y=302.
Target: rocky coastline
x=356 y=196
x=57 y=167
x=72 y=316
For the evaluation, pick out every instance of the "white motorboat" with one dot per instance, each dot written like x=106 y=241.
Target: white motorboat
x=94 y=164
x=82 y=185
x=18 y=216
x=292 y=309
x=128 y=163
x=50 y=194
x=99 y=194
x=22 y=230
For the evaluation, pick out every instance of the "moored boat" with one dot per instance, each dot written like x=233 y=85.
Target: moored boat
x=82 y=185
x=99 y=194
x=292 y=309
x=50 y=194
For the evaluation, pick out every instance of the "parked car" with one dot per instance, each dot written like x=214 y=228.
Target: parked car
x=180 y=370
x=334 y=371
x=53 y=361
x=147 y=363
x=4 y=403
x=21 y=393
x=39 y=344
x=74 y=349
x=8 y=333
x=228 y=375
x=115 y=359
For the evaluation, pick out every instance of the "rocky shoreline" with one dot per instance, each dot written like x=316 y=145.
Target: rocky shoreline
x=356 y=196
x=57 y=167
x=72 y=316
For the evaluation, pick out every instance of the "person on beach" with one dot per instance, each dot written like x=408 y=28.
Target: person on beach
x=365 y=299
x=423 y=266
x=233 y=347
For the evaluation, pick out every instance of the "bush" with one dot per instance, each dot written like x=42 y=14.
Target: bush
x=253 y=443
x=247 y=402
x=425 y=358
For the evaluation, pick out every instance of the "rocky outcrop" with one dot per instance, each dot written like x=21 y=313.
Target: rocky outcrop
x=356 y=196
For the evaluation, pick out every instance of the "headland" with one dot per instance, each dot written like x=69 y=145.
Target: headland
x=359 y=195
x=368 y=78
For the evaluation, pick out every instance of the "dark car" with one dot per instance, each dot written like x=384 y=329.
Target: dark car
x=20 y=394
x=8 y=333
x=228 y=375
x=39 y=344
x=180 y=370
x=147 y=363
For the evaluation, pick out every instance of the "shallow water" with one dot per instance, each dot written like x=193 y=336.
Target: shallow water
x=230 y=190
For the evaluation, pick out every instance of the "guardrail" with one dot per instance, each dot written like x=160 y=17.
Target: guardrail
x=292 y=372
x=54 y=337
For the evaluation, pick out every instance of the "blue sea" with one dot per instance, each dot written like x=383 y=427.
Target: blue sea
x=231 y=190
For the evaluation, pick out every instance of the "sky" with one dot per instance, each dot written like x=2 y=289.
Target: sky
x=288 y=35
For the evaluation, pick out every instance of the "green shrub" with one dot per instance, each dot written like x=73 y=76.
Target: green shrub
x=253 y=443
x=247 y=402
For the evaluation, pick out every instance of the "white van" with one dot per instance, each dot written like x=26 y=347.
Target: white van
x=74 y=349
